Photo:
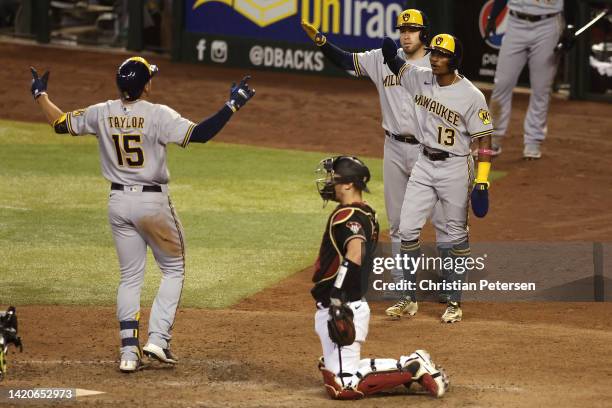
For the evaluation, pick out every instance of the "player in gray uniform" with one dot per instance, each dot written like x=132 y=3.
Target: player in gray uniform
x=133 y=135
x=401 y=147
x=450 y=113
x=534 y=28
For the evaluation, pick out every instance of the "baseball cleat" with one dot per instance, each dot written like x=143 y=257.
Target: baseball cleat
x=159 y=354
x=130 y=366
x=432 y=378
x=452 y=313
x=404 y=306
x=532 y=151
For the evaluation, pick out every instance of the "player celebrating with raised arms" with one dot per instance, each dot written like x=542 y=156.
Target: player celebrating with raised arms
x=133 y=135
x=343 y=314
x=401 y=147
x=450 y=113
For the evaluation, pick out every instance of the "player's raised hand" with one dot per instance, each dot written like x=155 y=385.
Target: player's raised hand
x=313 y=33
x=240 y=94
x=39 y=84
x=389 y=49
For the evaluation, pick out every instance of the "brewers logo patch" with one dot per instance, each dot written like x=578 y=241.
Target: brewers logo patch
x=353 y=226
x=484 y=116
x=406 y=17
x=438 y=40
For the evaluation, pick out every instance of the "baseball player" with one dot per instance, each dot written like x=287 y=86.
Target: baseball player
x=133 y=135
x=340 y=280
x=450 y=113
x=401 y=147
x=534 y=28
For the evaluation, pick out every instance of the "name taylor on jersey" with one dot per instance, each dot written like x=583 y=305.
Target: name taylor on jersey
x=122 y=122
x=438 y=109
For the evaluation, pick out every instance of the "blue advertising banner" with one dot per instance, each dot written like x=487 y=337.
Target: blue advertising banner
x=354 y=24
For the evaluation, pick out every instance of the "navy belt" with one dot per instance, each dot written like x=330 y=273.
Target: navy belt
x=436 y=155
x=531 y=17
x=145 y=189
x=410 y=139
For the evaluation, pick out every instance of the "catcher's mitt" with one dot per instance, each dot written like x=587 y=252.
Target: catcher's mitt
x=340 y=325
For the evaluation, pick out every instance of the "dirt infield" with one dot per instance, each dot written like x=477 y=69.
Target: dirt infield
x=510 y=354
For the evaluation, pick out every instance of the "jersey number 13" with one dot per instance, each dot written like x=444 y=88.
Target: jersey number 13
x=446 y=136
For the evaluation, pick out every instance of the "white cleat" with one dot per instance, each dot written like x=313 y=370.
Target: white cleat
x=130 y=366
x=404 y=306
x=426 y=373
x=163 y=355
x=532 y=151
x=452 y=313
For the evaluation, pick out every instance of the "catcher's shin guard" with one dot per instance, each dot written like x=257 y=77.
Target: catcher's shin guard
x=373 y=378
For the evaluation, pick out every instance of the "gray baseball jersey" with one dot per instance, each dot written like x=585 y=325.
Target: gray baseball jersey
x=132 y=138
x=395 y=102
x=536 y=7
x=398 y=117
x=448 y=117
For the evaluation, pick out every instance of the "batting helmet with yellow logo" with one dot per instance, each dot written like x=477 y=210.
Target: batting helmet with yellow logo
x=449 y=45
x=132 y=76
x=414 y=18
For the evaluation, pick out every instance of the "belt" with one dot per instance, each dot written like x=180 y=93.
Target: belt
x=436 y=155
x=531 y=17
x=145 y=189
x=410 y=139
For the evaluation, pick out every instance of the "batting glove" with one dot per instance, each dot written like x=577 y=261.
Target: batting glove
x=39 y=85
x=240 y=94
x=389 y=49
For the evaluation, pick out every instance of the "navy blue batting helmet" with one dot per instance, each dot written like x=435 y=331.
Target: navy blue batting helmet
x=132 y=76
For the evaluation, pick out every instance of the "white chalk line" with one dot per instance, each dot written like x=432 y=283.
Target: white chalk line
x=478 y=387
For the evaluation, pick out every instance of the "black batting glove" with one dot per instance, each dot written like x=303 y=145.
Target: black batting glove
x=389 y=49
x=240 y=94
x=39 y=85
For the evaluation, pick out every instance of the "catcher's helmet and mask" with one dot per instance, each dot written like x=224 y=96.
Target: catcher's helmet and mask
x=449 y=46
x=414 y=18
x=341 y=170
x=132 y=76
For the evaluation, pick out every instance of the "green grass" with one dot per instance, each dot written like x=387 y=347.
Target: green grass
x=251 y=217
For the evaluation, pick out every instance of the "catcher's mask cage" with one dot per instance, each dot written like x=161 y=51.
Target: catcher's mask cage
x=340 y=170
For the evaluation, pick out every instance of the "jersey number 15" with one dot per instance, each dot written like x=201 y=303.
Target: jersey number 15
x=127 y=153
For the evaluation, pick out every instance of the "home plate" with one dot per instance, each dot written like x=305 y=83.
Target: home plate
x=86 y=393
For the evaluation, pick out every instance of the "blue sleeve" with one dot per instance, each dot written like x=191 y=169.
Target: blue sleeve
x=340 y=58
x=209 y=127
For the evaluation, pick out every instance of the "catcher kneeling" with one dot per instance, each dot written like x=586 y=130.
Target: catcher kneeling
x=340 y=278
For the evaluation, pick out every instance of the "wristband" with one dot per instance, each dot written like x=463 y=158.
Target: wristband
x=483 y=173
x=485 y=152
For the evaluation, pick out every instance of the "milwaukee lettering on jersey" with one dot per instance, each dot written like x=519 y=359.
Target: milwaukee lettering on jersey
x=391 y=80
x=437 y=108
